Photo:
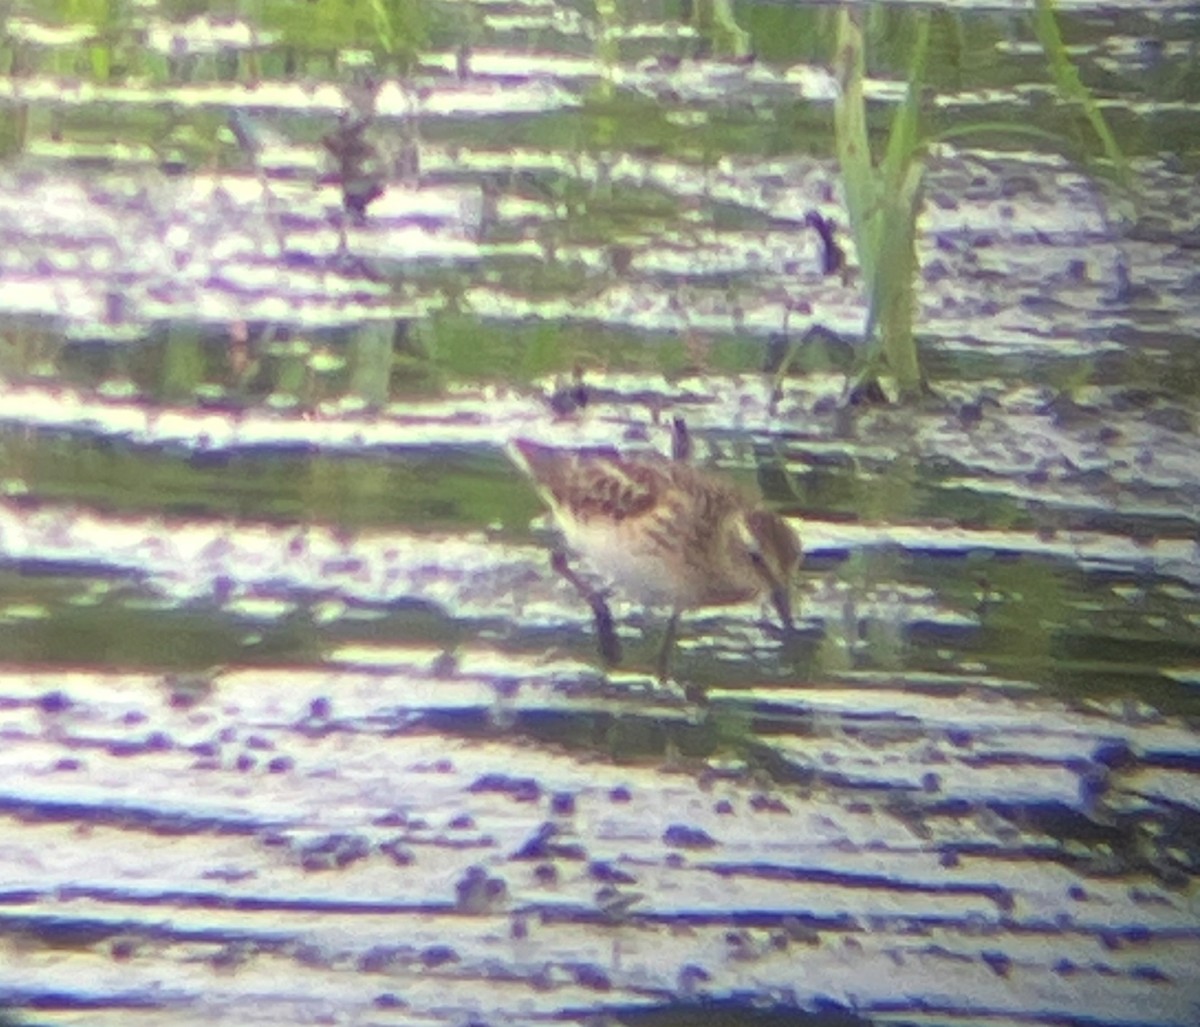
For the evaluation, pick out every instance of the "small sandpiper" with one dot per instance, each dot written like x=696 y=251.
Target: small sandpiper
x=663 y=532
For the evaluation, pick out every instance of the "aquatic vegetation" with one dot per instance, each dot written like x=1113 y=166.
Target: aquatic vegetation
x=882 y=203
x=1071 y=88
x=883 y=200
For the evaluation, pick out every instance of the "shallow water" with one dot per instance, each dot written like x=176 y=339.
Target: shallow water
x=297 y=722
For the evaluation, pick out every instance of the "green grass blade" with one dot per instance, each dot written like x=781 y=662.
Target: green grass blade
x=851 y=139
x=904 y=137
x=1066 y=77
x=1002 y=128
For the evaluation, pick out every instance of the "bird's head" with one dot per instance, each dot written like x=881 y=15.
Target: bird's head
x=774 y=551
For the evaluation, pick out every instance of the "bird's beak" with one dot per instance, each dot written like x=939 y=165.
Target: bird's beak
x=781 y=599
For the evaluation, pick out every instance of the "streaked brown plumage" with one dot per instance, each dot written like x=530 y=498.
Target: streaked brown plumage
x=662 y=531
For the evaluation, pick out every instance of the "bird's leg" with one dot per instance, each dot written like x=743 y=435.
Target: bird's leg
x=606 y=633
x=663 y=664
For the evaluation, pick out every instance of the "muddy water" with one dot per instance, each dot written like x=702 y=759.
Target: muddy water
x=296 y=723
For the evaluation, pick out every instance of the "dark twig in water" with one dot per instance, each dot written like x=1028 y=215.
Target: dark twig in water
x=358 y=170
x=681 y=440
x=833 y=257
